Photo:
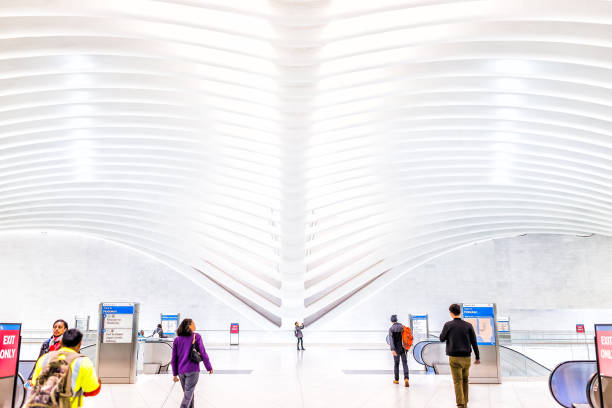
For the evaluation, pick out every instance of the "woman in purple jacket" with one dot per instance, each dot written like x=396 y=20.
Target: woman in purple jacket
x=183 y=368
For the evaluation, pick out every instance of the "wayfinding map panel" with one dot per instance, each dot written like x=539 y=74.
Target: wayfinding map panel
x=482 y=317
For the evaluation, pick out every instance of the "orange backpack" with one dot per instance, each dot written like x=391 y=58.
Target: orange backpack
x=407 y=338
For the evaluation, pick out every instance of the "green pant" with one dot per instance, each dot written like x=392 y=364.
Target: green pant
x=460 y=370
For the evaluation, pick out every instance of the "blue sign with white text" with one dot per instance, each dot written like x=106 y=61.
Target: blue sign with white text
x=169 y=323
x=482 y=317
x=117 y=310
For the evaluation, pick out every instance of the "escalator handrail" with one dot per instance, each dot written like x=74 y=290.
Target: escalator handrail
x=526 y=357
x=423 y=349
x=25 y=393
x=588 y=388
x=590 y=384
x=419 y=358
x=33 y=366
x=552 y=373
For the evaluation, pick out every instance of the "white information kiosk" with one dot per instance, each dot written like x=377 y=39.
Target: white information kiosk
x=483 y=316
x=503 y=328
x=117 y=342
x=419 y=324
x=81 y=322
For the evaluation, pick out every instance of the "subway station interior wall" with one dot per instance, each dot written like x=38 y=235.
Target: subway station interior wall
x=543 y=282
x=60 y=275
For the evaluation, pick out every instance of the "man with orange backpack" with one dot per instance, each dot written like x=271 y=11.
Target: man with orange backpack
x=400 y=341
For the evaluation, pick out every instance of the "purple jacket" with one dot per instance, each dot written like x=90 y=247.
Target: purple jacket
x=180 y=355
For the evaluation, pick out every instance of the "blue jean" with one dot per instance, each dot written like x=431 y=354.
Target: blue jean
x=188 y=382
x=401 y=355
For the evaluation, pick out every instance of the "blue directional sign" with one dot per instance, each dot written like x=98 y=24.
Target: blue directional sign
x=482 y=317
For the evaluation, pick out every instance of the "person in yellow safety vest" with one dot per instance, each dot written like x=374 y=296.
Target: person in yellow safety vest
x=84 y=379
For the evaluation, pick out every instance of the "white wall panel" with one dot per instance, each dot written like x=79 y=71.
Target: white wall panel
x=542 y=282
x=53 y=275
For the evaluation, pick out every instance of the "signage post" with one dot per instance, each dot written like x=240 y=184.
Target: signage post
x=419 y=324
x=483 y=317
x=503 y=328
x=170 y=323
x=10 y=344
x=117 y=342
x=81 y=323
x=603 y=349
x=235 y=329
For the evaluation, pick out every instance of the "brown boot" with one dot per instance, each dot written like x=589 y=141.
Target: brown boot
x=395 y=382
x=406 y=383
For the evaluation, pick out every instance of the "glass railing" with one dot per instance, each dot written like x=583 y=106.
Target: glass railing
x=515 y=364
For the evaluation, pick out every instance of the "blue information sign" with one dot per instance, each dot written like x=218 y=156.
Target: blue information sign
x=169 y=323
x=482 y=317
x=117 y=310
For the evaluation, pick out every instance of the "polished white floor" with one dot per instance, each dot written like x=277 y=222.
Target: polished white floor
x=283 y=377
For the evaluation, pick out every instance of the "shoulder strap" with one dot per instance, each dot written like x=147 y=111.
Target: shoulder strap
x=70 y=357
x=193 y=342
x=54 y=356
x=51 y=357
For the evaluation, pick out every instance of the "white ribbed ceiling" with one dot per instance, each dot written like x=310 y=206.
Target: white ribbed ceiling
x=294 y=153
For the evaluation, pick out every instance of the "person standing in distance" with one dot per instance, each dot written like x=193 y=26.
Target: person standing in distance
x=398 y=350
x=183 y=368
x=460 y=339
x=300 y=336
x=53 y=343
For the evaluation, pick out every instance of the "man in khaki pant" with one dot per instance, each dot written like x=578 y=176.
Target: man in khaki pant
x=460 y=338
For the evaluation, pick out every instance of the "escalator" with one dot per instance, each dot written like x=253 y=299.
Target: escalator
x=516 y=364
x=575 y=383
x=417 y=351
x=572 y=383
x=156 y=355
x=432 y=354
x=153 y=355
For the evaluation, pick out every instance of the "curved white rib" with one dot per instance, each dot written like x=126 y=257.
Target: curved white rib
x=294 y=157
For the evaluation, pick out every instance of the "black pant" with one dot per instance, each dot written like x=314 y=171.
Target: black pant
x=396 y=359
x=300 y=341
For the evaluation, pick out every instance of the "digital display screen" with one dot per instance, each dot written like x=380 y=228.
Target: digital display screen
x=482 y=317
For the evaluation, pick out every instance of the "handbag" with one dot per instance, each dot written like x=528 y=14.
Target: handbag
x=194 y=353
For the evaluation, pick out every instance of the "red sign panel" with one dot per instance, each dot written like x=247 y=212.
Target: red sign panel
x=580 y=328
x=603 y=336
x=234 y=328
x=9 y=349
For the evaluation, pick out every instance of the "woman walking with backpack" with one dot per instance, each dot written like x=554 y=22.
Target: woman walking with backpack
x=187 y=353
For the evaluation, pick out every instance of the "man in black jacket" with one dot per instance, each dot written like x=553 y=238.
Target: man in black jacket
x=398 y=351
x=460 y=338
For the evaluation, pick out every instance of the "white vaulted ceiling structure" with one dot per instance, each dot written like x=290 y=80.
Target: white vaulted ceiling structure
x=293 y=153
